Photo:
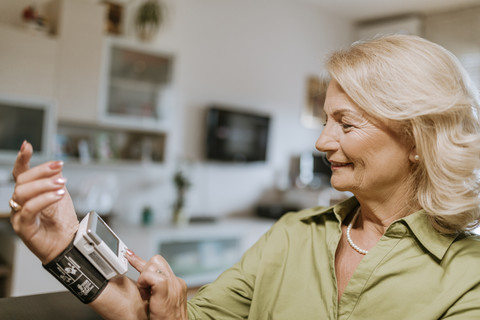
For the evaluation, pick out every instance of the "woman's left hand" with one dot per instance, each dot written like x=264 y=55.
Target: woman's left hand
x=165 y=292
x=45 y=218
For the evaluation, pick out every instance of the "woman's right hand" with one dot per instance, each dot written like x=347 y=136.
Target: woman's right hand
x=46 y=221
x=165 y=293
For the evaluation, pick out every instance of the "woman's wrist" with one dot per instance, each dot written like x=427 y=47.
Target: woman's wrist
x=77 y=274
x=120 y=300
x=52 y=254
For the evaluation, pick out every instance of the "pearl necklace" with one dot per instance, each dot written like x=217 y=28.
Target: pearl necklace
x=349 y=238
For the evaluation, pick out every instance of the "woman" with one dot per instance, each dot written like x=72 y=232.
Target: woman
x=402 y=134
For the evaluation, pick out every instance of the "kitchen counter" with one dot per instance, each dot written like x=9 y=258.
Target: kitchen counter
x=197 y=252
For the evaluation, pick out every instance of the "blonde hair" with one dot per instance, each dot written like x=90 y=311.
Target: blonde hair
x=423 y=88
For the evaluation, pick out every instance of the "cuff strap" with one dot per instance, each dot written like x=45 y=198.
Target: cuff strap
x=77 y=274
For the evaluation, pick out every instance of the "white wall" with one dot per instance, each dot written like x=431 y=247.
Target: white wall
x=255 y=54
x=458 y=32
x=251 y=53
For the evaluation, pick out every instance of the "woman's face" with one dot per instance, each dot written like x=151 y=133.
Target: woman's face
x=366 y=156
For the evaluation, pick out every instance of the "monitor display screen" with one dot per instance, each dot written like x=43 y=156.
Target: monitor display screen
x=107 y=236
x=236 y=136
x=25 y=119
x=18 y=124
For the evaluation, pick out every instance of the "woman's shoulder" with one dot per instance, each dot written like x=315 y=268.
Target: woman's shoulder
x=466 y=246
x=468 y=239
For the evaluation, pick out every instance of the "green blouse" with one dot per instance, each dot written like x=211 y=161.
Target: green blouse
x=413 y=272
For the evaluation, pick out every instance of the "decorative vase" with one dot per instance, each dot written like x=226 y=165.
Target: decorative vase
x=180 y=218
x=147 y=216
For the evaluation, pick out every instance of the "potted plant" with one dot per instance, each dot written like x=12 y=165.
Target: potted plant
x=148 y=19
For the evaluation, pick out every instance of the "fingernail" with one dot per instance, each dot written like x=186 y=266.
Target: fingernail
x=56 y=165
x=60 y=192
x=129 y=252
x=61 y=180
x=24 y=143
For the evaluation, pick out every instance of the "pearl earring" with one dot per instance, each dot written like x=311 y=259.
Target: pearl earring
x=417 y=157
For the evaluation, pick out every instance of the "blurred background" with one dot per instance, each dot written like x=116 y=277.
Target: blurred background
x=189 y=125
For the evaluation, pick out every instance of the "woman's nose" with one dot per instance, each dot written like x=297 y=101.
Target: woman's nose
x=327 y=140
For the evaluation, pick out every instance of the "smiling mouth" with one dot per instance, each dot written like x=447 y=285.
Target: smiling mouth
x=336 y=165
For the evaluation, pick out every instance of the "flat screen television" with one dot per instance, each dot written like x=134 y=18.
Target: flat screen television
x=26 y=119
x=236 y=136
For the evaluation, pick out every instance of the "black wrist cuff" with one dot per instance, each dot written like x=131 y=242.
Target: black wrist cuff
x=77 y=274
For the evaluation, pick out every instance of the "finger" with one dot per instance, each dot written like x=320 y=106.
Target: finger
x=153 y=273
x=27 y=217
x=145 y=293
x=135 y=261
x=22 y=163
x=29 y=190
x=44 y=170
x=158 y=263
x=153 y=282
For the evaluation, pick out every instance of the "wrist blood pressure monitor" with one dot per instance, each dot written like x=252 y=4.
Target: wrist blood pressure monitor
x=101 y=246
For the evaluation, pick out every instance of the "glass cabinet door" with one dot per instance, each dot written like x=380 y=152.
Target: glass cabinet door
x=201 y=261
x=137 y=87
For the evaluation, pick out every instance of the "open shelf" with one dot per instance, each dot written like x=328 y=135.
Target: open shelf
x=79 y=143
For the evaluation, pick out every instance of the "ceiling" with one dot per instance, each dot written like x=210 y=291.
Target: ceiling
x=371 y=9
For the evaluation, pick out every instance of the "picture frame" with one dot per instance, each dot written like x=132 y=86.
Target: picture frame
x=114 y=17
x=312 y=115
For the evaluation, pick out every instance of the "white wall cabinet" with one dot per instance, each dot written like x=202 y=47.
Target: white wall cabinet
x=136 y=89
x=80 y=38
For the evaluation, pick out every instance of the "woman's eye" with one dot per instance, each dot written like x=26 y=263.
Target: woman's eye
x=346 y=126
